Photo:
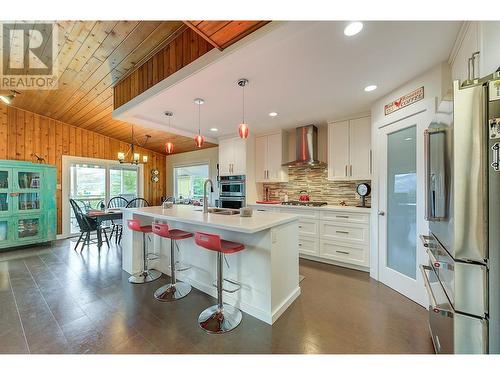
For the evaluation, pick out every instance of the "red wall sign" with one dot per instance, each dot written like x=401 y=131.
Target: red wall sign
x=404 y=101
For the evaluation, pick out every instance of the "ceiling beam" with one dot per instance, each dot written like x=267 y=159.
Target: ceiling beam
x=202 y=34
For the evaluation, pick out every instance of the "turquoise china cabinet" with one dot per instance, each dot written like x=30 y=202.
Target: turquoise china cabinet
x=27 y=203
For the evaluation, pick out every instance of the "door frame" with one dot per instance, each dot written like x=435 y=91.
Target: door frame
x=428 y=108
x=65 y=185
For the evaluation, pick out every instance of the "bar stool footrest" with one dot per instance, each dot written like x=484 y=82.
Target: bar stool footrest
x=152 y=256
x=232 y=282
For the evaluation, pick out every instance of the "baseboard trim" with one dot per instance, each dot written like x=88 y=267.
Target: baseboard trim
x=285 y=304
x=335 y=263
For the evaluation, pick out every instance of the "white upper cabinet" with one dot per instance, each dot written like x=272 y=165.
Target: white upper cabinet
x=349 y=150
x=270 y=154
x=338 y=150
x=232 y=157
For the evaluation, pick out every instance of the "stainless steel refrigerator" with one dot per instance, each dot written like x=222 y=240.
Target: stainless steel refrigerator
x=462 y=276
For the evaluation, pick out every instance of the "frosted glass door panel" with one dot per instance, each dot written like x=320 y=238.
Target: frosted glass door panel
x=401 y=201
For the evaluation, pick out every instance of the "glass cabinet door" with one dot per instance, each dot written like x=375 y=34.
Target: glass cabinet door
x=28 y=201
x=4 y=179
x=28 y=228
x=27 y=198
x=29 y=179
x=5 y=188
x=4 y=230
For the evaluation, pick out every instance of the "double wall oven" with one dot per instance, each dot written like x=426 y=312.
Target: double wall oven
x=232 y=191
x=462 y=276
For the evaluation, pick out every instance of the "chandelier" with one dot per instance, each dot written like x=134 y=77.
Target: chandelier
x=130 y=156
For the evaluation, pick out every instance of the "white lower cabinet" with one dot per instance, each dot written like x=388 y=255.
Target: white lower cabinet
x=345 y=253
x=309 y=245
x=353 y=233
x=332 y=236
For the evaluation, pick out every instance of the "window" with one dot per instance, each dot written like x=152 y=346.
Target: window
x=123 y=181
x=91 y=184
x=189 y=180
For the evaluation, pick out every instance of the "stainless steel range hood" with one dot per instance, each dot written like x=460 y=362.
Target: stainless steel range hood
x=306 y=147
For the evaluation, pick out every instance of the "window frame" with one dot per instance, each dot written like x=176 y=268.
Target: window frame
x=187 y=165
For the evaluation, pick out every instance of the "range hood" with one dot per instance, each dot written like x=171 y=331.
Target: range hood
x=306 y=147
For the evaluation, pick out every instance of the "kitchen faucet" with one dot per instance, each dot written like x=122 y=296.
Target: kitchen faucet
x=205 y=198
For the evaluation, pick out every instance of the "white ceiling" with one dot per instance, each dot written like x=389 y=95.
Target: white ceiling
x=308 y=72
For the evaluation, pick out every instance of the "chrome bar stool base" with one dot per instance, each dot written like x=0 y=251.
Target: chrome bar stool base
x=214 y=320
x=144 y=277
x=170 y=292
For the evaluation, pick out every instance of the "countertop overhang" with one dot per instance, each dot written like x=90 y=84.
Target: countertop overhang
x=259 y=221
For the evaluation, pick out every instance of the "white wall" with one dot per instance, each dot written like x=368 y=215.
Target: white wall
x=208 y=155
x=437 y=83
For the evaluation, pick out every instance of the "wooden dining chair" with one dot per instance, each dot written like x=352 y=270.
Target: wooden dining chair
x=138 y=202
x=86 y=225
x=117 y=225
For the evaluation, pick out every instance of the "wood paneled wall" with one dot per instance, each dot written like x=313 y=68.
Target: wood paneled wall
x=23 y=133
x=181 y=51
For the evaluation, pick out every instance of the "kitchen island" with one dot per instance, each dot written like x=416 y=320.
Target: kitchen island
x=268 y=268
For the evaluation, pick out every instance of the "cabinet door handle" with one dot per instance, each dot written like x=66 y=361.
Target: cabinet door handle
x=346 y=170
x=371 y=162
x=350 y=170
x=342 y=231
x=342 y=252
x=300 y=244
x=342 y=216
x=300 y=226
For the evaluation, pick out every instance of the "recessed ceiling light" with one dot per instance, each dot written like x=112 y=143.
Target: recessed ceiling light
x=273 y=114
x=370 y=88
x=353 y=28
x=214 y=129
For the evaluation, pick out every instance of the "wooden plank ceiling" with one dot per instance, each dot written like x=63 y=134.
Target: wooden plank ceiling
x=95 y=56
x=221 y=34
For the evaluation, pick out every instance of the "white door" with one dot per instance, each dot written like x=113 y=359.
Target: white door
x=360 y=136
x=260 y=158
x=401 y=197
x=338 y=152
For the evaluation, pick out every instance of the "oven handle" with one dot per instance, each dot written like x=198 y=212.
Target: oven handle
x=231 y=182
x=427 y=285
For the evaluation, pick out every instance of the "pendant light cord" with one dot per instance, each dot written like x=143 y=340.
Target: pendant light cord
x=199 y=118
x=244 y=104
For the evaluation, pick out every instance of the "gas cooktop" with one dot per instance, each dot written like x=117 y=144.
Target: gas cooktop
x=304 y=203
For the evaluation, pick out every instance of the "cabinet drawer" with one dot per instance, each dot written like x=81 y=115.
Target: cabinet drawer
x=308 y=227
x=309 y=245
x=303 y=213
x=345 y=217
x=353 y=233
x=344 y=253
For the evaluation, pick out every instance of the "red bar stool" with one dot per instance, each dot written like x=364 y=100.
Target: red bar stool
x=222 y=317
x=146 y=275
x=176 y=289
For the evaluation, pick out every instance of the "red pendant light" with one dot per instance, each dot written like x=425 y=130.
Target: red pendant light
x=243 y=131
x=199 y=139
x=243 y=128
x=169 y=146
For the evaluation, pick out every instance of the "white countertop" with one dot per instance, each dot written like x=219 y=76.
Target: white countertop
x=193 y=215
x=329 y=207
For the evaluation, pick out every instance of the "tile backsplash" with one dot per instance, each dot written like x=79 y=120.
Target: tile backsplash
x=313 y=179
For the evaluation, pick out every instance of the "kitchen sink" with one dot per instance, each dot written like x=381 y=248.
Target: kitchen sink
x=221 y=211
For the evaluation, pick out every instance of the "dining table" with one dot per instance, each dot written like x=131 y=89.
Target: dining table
x=101 y=216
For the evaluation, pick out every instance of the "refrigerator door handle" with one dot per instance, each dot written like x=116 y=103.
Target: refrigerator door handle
x=432 y=298
x=427 y=167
